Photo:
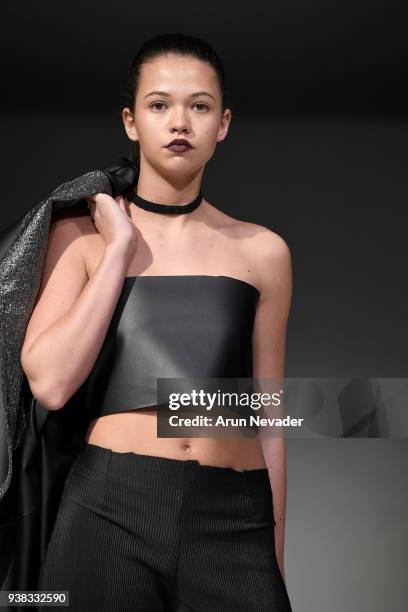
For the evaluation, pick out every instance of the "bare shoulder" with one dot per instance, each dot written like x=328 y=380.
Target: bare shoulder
x=271 y=259
x=73 y=221
x=265 y=241
x=73 y=228
x=268 y=246
x=265 y=255
x=266 y=252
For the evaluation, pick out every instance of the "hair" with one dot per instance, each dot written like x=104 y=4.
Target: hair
x=179 y=44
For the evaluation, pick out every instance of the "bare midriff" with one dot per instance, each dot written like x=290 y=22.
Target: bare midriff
x=136 y=431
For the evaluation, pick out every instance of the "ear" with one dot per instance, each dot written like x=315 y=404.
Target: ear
x=129 y=123
x=224 y=125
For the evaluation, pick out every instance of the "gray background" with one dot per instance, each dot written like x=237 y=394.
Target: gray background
x=318 y=136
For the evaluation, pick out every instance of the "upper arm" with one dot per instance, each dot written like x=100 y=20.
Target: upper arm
x=269 y=338
x=269 y=334
x=64 y=276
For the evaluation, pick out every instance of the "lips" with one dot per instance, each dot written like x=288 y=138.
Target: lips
x=179 y=148
x=179 y=142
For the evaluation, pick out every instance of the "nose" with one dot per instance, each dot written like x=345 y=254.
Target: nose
x=179 y=121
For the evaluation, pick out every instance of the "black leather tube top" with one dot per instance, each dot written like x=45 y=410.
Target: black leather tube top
x=171 y=327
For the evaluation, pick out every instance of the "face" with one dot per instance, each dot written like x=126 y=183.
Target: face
x=188 y=107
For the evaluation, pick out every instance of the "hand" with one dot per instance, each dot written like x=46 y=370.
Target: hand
x=112 y=221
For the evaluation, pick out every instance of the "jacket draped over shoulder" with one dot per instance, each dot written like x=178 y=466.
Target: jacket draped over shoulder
x=37 y=446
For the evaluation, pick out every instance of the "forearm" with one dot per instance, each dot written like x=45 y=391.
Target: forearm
x=273 y=448
x=62 y=356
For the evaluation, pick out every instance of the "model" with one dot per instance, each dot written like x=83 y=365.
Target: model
x=161 y=283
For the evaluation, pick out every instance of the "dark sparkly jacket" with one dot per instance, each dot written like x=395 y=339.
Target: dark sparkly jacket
x=37 y=446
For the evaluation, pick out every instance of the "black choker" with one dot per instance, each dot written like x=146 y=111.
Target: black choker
x=165 y=208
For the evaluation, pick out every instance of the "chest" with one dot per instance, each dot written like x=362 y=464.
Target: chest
x=205 y=253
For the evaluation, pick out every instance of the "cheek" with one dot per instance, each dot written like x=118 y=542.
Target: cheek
x=211 y=130
x=210 y=136
x=207 y=149
x=147 y=123
x=149 y=134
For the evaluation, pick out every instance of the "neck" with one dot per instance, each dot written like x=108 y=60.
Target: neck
x=165 y=190
x=167 y=187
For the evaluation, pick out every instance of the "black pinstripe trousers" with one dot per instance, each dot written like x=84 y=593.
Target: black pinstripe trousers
x=145 y=533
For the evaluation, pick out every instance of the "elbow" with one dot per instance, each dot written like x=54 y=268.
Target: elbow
x=48 y=396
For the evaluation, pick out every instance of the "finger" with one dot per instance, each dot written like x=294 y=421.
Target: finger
x=120 y=200
x=91 y=208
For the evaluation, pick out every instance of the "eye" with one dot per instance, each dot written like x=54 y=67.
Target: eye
x=199 y=104
x=156 y=103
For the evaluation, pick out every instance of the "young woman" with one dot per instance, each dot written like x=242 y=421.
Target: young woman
x=163 y=284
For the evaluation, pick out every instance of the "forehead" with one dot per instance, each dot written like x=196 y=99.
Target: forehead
x=176 y=73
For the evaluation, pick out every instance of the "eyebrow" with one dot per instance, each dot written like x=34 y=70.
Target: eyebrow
x=193 y=95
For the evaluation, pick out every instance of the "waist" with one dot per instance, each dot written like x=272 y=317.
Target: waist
x=136 y=431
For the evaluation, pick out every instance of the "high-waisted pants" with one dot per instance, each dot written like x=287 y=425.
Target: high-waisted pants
x=145 y=533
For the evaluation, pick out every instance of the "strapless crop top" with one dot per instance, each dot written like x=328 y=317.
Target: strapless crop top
x=171 y=327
